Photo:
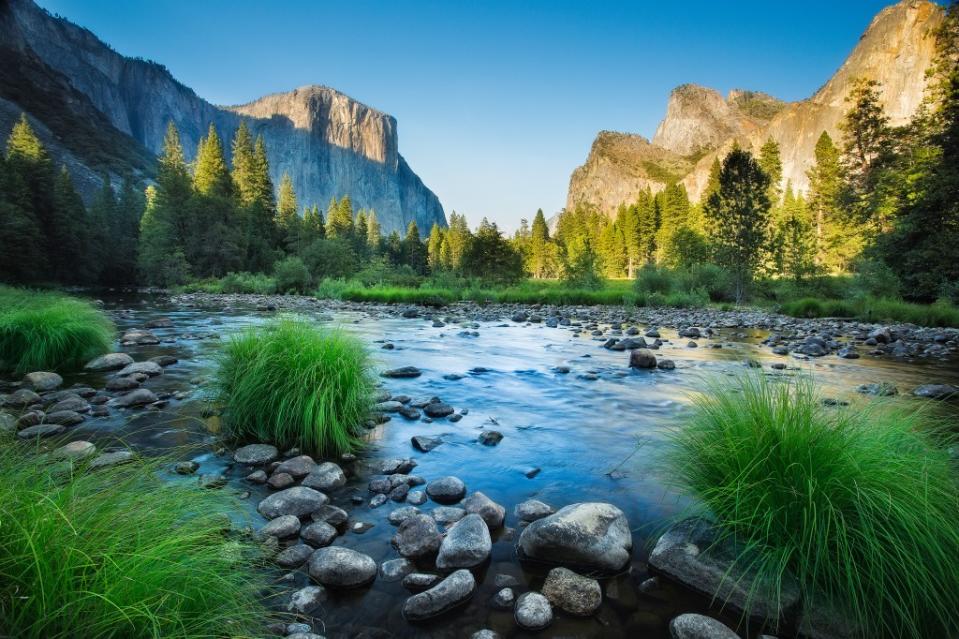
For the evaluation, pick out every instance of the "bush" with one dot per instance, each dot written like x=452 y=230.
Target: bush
x=860 y=505
x=654 y=279
x=332 y=258
x=291 y=275
x=292 y=384
x=46 y=331
x=118 y=553
x=710 y=279
x=875 y=279
x=250 y=283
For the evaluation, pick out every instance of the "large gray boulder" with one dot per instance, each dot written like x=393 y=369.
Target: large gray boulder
x=326 y=476
x=453 y=591
x=693 y=626
x=593 y=536
x=693 y=554
x=299 y=501
x=417 y=537
x=255 y=454
x=491 y=512
x=467 y=544
x=42 y=380
x=109 y=362
x=338 y=567
x=574 y=593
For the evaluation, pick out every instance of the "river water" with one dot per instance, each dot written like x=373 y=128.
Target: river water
x=591 y=439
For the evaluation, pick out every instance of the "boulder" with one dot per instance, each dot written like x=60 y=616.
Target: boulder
x=533 y=509
x=425 y=444
x=151 y=369
x=318 y=534
x=281 y=527
x=453 y=591
x=446 y=490
x=642 y=358
x=338 y=567
x=693 y=626
x=297 y=467
x=21 y=397
x=326 y=476
x=75 y=450
x=593 y=536
x=937 y=391
x=491 y=512
x=533 y=611
x=294 y=556
x=41 y=381
x=64 y=418
x=40 y=430
x=255 y=454
x=306 y=600
x=436 y=410
x=572 y=592
x=298 y=501
x=109 y=362
x=115 y=458
x=467 y=544
x=417 y=537
x=404 y=372
x=138 y=397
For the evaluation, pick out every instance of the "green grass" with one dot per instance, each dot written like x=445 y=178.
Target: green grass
x=861 y=505
x=293 y=384
x=871 y=309
x=46 y=331
x=119 y=553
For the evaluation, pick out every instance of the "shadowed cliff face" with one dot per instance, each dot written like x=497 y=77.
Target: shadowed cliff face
x=896 y=50
x=330 y=144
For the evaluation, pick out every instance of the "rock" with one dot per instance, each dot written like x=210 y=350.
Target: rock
x=318 y=534
x=533 y=509
x=294 y=556
x=164 y=360
x=453 y=591
x=416 y=497
x=937 y=391
x=297 y=467
x=75 y=450
x=446 y=490
x=882 y=389
x=666 y=365
x=325 y=477
x=486 y=633
x=691 y=332
x=396 y=569
x=64 y=418
x=333 y=515
x=152 y=369
x=491 y=512
x=533 y=611
x=41 y=381
x=135 y=336
x=425 y=444
x=299 y=501
x=8 y=424
x=693 y=626
x=30 y=418
x=388 y=407
x=404 y=372
x=185 y=467
x=40 y=430
x=339 y=567
x=257 y=477
x=642 y=358
x=109 y=362
x=138 y=397
x=417 y=537
x=74 y=404
x=438 y=410
x=400 y=515
x=504 y=598
x=692 y=553
x=847 y=353
x=467 y=544
x=490 y=437
x=573 y=593
x=418 y=581
x=279 y=481
x=306 y=600
x=116 y=458
x=212 y=480
x=594 y=536
x=122 y=383
x=21 y=397
x=282 y=527
x=395 y=466
x=255 y=454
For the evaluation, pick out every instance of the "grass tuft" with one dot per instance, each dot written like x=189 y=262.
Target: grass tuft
x=118 y=553
x=861 y=505
x=46 y=331
x=293 y=384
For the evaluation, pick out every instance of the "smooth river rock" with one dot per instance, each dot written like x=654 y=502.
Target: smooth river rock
x=298 y=501
x=491 y=512
x=42 y=380
x=326 y=476
x=255 y=454
x=693 y=626
x=417 y=537
x=592 y=536
x=338 y=567
x=533 y=611
x=574 y=593
x=467 y=544
x=109 y=362
x=453 y=591
x=446 y=490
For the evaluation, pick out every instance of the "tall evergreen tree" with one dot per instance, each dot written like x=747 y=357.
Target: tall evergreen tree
x=287 y=215
x=771 y=162
x=30 y=181
x=414 y=253
x=434 y=248
x=339 y=218
x=832 y=251
x=738 y=218
x=373 y=233
x=71 y=260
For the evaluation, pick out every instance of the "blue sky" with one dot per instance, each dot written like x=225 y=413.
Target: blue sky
x=497 y=102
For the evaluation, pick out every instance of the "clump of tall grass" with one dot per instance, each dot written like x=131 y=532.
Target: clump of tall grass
x=861 y=505
x=293 y=384
x=871 y=309
x=118 y=553
x=47 y=331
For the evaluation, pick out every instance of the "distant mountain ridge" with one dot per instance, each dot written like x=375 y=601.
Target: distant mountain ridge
x=119 y=107
x=896 y=50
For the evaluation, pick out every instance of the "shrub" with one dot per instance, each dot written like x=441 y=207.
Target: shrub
x=118 y=553
x=46 y=331
x=291 y=275
x=713 y=280
x=654 y=279
x=860 y=505
x=251 y=283
x=293 y=384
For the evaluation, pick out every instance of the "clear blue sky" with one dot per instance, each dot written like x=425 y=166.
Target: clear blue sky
x=497 y=102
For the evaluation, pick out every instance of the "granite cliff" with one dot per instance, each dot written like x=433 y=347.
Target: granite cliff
x=63 y=76
x=895 y=50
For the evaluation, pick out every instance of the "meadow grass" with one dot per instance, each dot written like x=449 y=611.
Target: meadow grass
x=47 y=331
x=118 y=552
x=861 y=505
x=293 y=384
x=872 y=309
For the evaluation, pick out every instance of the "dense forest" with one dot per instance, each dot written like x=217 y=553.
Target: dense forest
x=883 y=201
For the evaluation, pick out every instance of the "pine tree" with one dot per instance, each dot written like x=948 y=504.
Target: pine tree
x=339 y=218
x=434 y=248
x=254 y=189
x=457 y=239
x=373 y=234
x=712 y=182
x=414 y=253
x=211 y=176
x=30 y=182
x=738 y=218
x=287 y=215
x=71 y=261
x=772 y=164
x=542 y=253
x=829 y=227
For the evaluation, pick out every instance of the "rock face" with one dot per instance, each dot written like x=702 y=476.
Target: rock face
x=593 y=536
x=330 y=144
x=896 y=49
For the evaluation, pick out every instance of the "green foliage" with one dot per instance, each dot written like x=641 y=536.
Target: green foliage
x=44 y=331
x=119 y=553
x=293 y=384
x=491 y=257
x=583 y=271
x=291 y=275
x=860 y=505
x=654 y=279
x=333 y=258
x=871 y=309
